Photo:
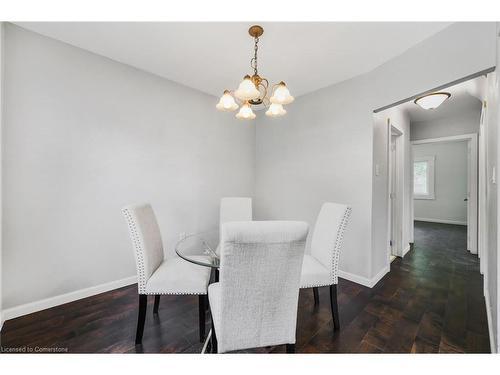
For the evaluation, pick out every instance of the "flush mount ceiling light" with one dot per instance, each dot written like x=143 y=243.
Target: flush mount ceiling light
x=253 y=90
x=432 y=101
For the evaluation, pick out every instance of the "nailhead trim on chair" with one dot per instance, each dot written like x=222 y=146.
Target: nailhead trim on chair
x=176 y=293
x=314 y=286
x=139 y=252
x=338 y=245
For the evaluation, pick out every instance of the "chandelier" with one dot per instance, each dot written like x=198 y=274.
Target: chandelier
x=254 y=90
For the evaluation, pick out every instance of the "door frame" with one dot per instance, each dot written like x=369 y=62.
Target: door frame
x=472 y=138
x=482 y=250
x=395 y=222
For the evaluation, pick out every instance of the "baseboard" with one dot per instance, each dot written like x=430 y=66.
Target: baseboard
x=380 y=275
x=441 y=221
x=47 y=303
x=370 y=283
x=406 y=249
x=493 y=345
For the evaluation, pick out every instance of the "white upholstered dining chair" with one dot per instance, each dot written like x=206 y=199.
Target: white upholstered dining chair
x=321 y=266
x=157 y=275
x=255 y=302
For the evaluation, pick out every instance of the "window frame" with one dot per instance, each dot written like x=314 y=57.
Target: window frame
x=430 y=177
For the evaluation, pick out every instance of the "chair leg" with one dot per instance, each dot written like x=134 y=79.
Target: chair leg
x=213 y=341
x=335 y=307
x=201 y=315
x=290 y=348
x=316 y=296
x=157 y=304
x=143 y=304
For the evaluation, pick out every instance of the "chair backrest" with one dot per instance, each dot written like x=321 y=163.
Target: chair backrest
x=235 y=209
x=146 y=239
x=259 y=283
x=328 y=235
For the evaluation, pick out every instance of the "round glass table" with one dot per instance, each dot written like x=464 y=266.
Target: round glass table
x=200 y=248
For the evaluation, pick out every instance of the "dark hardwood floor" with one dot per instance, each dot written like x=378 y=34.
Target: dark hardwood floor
x=431 y=302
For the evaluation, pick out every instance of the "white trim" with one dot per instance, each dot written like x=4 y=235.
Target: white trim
x=47 y=303
x=1 y=320
x=370 y=283
x=395 y=131
x=490 y=325
x=405 y=250
x=453 y=138
x=431 y=177
x=395 y=199
x=442 y=221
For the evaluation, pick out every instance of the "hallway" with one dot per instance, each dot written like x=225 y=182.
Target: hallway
x=445 y=291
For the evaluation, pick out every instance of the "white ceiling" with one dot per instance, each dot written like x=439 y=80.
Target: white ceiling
x=465 y=97
x=214 y=56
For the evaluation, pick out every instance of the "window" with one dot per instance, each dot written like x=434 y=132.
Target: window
x=423 y=177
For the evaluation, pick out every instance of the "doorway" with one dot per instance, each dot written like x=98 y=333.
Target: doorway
x=445 y=176
x=395 y=184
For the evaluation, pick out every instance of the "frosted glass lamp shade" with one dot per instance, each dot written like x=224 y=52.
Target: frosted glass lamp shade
x=245 y=112
x=275 y=110
x=247 y=90
x=432 y=101
x=226 y=102
x=281 y=95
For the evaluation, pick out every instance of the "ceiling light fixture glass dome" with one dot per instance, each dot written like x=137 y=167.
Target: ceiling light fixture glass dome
x=432 y=101
x=247 y=90
x=245 y=112
x=275 y=110
x=226 y=102
x=281 y=95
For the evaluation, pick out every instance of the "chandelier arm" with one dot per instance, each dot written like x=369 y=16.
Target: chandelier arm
x=266 y=87
x=264 y=95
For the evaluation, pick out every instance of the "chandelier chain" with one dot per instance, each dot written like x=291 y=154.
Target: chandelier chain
x=253 y=62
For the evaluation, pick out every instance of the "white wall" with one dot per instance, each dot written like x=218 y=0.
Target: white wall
x=323 y=149
x=84 y=136
x=492 y=161
x=304 y=159
x=462 y=122
x=450 y=183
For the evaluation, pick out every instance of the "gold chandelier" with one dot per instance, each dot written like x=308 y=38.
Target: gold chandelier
x=253 y=90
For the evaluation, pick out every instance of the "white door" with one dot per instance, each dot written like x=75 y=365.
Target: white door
x=472 y=194
x=393 y=190
x=467 y=198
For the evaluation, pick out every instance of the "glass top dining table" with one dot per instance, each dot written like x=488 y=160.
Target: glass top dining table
x=200 y=248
